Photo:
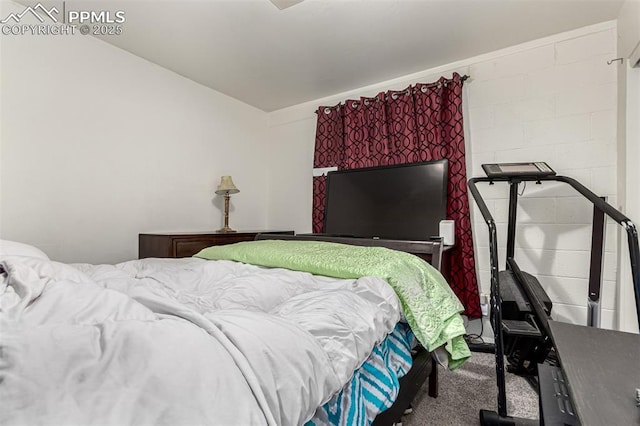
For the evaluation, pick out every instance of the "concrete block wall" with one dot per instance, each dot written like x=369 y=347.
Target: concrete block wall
x=552 y=102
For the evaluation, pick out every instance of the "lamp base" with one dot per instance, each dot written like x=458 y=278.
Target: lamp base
x=226 y=230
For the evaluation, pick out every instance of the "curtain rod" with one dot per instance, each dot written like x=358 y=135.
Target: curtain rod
x=463 y=78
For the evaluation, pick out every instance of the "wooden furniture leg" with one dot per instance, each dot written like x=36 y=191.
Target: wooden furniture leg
x=433 y=379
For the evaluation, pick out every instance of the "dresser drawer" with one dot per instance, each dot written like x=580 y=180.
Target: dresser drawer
x=189 y=247
x=188 y=244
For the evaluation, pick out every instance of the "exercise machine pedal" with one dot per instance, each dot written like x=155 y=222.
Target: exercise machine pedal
x=515 y=304
x=520 y=328
x=554 y=395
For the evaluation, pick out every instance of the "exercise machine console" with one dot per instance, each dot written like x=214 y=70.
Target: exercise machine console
x=513 y=170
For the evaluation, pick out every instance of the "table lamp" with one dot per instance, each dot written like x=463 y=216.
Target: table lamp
x=226 y=188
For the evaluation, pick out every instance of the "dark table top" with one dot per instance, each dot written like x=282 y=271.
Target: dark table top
x=602 y=368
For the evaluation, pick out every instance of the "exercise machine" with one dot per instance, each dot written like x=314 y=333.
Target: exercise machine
x=521 y=321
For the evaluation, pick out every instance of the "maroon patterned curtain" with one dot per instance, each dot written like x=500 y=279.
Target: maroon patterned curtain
x=421 y=123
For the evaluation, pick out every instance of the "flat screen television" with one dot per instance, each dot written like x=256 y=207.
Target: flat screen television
x=404 y=202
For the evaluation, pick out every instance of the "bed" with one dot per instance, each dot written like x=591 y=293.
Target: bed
x=266 y=332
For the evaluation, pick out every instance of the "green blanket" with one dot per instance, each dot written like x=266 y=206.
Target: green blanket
x=429 y=305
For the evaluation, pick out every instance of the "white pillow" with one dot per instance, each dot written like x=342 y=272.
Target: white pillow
x=12 y=248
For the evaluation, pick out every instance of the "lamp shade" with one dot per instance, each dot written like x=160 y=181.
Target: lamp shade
x=226 y=186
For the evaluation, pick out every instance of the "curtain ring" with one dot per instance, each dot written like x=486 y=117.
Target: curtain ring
x=354 y=105
x=424 y=89
x=366 y=102
x=394 y=96
x=327 y=110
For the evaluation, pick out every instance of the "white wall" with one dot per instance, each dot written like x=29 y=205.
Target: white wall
x=550 y=100
x=290 y=178
x=556 y=103
x=628 y=148
x=98 y=145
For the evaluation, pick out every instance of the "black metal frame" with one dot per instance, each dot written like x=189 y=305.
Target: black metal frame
x=601 y=207
x=595 y=269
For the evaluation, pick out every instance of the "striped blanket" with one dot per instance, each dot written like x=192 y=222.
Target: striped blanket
x=373 y=387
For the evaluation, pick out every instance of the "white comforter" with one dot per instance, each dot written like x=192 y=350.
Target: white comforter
x=180 y=341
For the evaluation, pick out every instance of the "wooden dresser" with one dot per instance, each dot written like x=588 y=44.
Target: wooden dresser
x=185 y=244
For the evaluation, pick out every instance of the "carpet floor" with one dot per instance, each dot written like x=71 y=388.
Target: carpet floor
x=463 y=392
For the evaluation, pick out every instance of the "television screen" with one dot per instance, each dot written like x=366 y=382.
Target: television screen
x=405 y=202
